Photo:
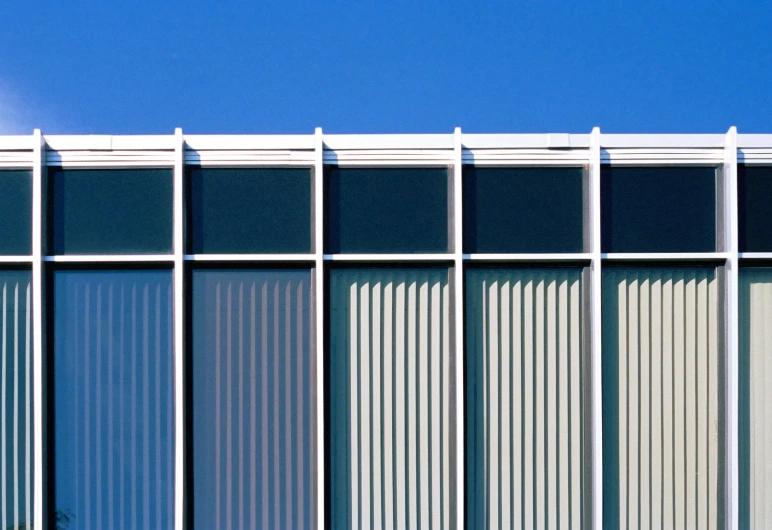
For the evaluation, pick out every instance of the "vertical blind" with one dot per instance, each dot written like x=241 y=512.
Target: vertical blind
x=16 y=396
x=254 y=395
x=114 y=402
x=755 y=403
x=661 y=406
x=390 y=399
x=524 y=398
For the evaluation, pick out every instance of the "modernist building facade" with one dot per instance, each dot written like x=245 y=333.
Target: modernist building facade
x=386 y=331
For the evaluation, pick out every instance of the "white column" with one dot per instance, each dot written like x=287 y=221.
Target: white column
x=38 y=346
x=179 y=330
x=458 y=324
x=732 y=330
x=320 y=331
x=596 y=403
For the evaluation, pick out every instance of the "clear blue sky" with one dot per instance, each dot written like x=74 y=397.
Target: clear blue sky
x=357 y=67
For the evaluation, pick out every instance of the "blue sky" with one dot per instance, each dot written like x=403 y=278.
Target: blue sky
x=405 y=67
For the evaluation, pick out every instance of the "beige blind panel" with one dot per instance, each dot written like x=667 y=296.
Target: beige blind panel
x=524 y=398
x=661 y=398
x=755 y=398
x=390 y=399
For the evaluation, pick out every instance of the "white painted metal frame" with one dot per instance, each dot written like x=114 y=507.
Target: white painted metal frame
x=175 y=151
x=732 y=323
x=458 y=324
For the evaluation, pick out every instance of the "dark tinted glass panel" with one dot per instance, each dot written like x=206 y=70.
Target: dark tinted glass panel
x=658 y=209
x=253 y=399
x=113 y=378
x=249 y=210
x=753 y=205
x=15 y=212
x=391 y=429
x=116 y=211
x=16 y=465
x=387 y=210
x=522 y=209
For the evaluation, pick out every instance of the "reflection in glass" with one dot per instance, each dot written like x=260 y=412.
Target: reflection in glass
x=16 y=396
x=253 y=399
x=391 y=429
x=113 y=379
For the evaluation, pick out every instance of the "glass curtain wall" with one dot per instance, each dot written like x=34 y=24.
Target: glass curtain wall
x=524 y=391
x=253 y=398
x=662 y=436
x=113 y=399
x=391 y=434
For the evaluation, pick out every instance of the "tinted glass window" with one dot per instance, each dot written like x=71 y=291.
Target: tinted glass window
x=116 y=211
x=753 y=205
x=253 y=394
x=658 y=209
x=113 y=378
x=15 y=212
x=387 y=210
x=522 y=210
x=249 y=210
x=16 y=396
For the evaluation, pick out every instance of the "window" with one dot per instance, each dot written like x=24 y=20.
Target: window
x=658 y=209
x=113 y=379
x=16 y=208
x=387 y=210
x=16 y=465
x=524 y=395
x=391 y=431
x=755 y=374
x=523 y=210
x=249 y=210
x=253 y=397
x=754 y=189
x=116 y=211
x=662 y=441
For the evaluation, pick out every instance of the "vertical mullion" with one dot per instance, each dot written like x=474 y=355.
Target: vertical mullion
x=458 y=327
x=179 y=331
x=731 y=295
x=37 y=322
x=319 y=297
x=596 y=404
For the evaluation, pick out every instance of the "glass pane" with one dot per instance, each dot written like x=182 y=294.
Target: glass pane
x=253 y=395
x=249 y=210
x=114 y=398
x=755 y=405
x=754 y=185
x=658 y=209
x=111 y=211
x=662 y=414
x=387 y=210
x=391 y=429
x=524 y=396
x=16 y=395
x=523 y=210
x=16 y=213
